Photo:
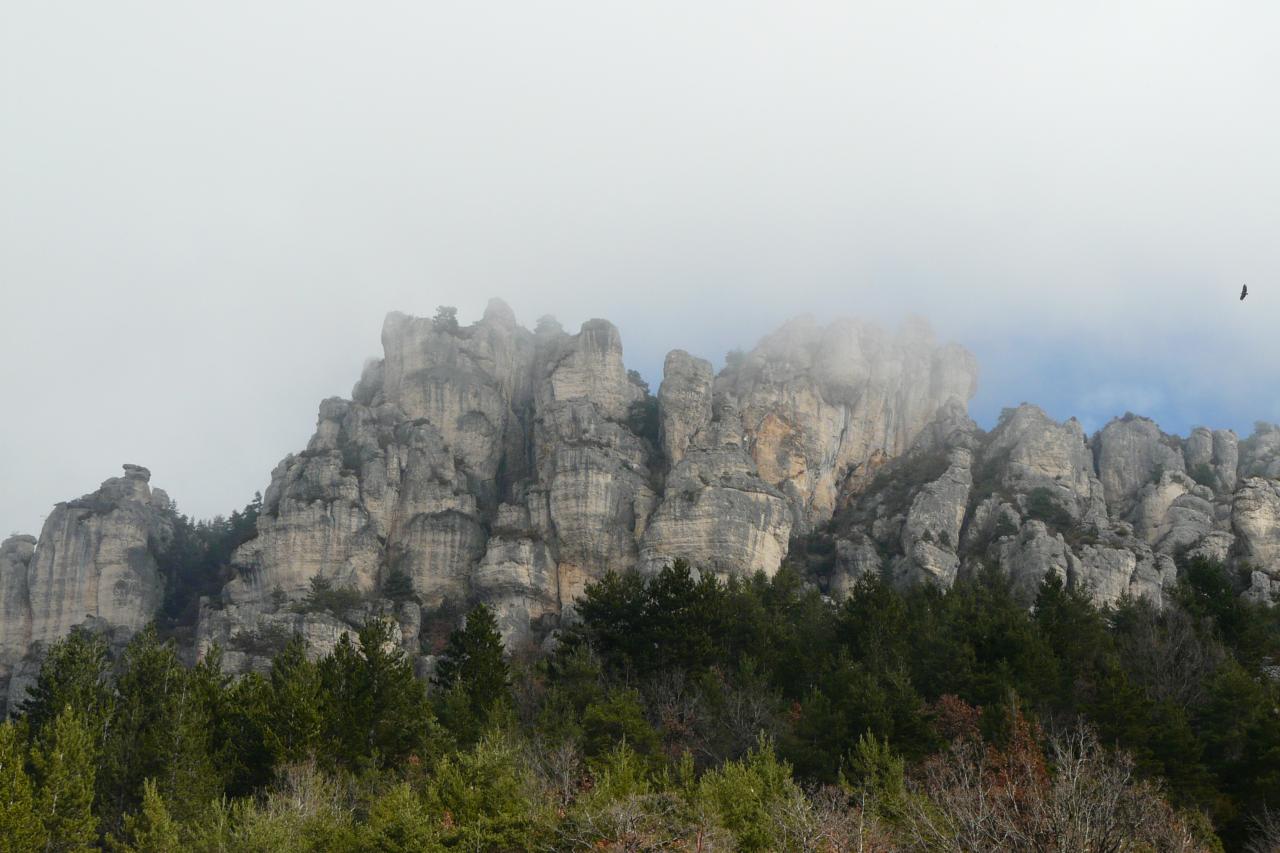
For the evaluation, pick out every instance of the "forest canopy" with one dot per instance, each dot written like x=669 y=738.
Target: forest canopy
x=683 y=710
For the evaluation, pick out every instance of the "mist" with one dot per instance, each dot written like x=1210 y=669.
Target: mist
x=207 y=209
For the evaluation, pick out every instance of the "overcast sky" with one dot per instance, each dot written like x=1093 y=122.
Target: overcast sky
x=206 y=209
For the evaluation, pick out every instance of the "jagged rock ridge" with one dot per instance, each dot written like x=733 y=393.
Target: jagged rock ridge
x=1113 y=514
x=493 y=463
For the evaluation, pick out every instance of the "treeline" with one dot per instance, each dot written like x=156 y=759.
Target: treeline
x=683 y=713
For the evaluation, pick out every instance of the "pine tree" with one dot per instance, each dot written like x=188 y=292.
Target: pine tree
x=398 y=586
x=74 y=673
x=375 y=711
x=294 y=715
x=153 y=829
x=65 y=770
x=473 y=665
x=21 y=830
x=161 y=729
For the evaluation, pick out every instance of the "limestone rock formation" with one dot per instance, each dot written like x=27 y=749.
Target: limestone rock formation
x=15 y=617
x=490 y=463
x=95 y=564
x=1035 y=498
x=1131 y=451
x=818 y=402
x=685 y=401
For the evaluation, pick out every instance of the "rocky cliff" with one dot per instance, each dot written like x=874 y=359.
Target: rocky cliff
x=95 y=564
x=1114 y=514
x=493 y=463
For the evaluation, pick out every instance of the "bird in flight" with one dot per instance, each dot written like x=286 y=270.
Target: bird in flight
x=1244 y=291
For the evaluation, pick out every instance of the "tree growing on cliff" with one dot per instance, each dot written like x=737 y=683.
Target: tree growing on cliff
x=473 y=675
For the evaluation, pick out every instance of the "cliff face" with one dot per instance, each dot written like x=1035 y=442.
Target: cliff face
x=95 y=564
x=491 y=463
x=497 y=464
x=1111 y=514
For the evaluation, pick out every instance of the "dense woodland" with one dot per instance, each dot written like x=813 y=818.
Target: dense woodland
x=678 y=712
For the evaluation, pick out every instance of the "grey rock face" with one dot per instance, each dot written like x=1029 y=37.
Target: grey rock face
x=1255 y=520
x=685 y=401
x=95 y=564
x=15 y=619
x=1032 y=554
x=1028 y=450
x=1213 y=457
x=818 y=402
x=1260 y=452
x=931 y=530
x=492 y=464
x=488 y=463
x=1027 y=498
x=1131 y=452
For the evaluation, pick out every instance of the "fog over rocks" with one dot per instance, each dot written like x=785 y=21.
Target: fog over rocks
x=491 y=463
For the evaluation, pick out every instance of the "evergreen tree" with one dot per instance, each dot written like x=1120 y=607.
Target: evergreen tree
x=398 y=586
x=375 y=711
x=293 y=720
x=75 y=673
x=21 y=830
x=161 y=729
x=65 y=769
x=151 y=830
x=473 y=670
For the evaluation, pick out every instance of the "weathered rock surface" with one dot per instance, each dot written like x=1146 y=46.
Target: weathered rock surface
x=1132 y=451
x=488 y=463
x=684 y=399
x=94 y=564
x=818 y=402
x=1034 y=498
x=1028 y=450
x=15 y=618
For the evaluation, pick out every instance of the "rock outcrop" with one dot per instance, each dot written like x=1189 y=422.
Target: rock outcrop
x=1036 y=497
x=96 y=564
x=490 y=463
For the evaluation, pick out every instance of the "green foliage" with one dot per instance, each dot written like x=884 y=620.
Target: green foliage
x=265 y=641
x=64 y=765
x=195 y=560
x=162 y=728
x=485 y=798
x=446 y=319
x=21 y=829
x=75 y=674
x=293 y=715
x=680 y=710
x=374 y=712
x=643 y=418
x=153 y=829
x=1043 y=506
x=399 y=822
x=473 y=676
x=1203 y=474
x=617 y=718
x=324 y=597
x=398 y=587
x=745 y=793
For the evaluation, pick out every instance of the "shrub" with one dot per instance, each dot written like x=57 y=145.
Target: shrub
x=324 y=597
